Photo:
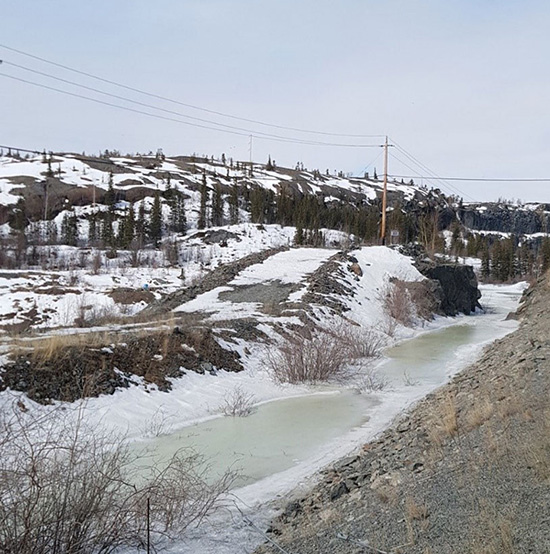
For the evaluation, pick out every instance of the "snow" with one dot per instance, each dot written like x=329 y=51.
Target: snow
x=194 y=398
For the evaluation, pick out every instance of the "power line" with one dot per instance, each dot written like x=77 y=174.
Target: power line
x=479 y=179
x=434 y=176
x=166 y=99
x=144 y=104
x=134 y=110
x=21 y=149
x=373 y=162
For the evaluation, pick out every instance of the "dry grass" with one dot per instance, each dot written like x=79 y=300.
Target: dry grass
x=51 y=347
x=444 y=421
x=493 y=530
x=479 y=413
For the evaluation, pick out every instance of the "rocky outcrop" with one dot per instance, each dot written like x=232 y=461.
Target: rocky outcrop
x=458 y=283
x=504 y=219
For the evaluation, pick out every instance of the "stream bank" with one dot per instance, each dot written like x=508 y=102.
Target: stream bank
x=467 y=470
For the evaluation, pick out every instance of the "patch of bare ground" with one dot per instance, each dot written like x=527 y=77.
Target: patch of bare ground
x=468 y=470
x=68 y=367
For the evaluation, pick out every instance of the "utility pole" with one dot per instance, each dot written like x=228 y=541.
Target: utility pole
x=250 y=152
x=384 y=194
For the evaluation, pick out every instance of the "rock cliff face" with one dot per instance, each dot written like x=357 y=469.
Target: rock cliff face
x=459 y=291
x=505 y=219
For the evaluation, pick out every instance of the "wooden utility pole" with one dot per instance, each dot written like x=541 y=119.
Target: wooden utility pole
x=250 y=153
x=384 y=194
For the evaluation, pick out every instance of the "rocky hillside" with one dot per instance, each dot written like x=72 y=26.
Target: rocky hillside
x=466 y=471
x=79 y=180
x=493 y=217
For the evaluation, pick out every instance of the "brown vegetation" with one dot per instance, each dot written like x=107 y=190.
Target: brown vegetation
x=68 y=488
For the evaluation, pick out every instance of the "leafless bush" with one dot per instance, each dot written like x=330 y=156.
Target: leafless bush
x=320 y=354
x=160 y=423
x=96 y=262
x=397 y=302
x=369 y=380
x=237 y=403
x=408 y=381
x=67 y=488
x=363 y=343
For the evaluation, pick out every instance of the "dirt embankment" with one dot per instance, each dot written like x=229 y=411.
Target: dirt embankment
x=467 y=471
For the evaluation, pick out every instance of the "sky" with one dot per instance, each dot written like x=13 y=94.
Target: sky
x=461 y=87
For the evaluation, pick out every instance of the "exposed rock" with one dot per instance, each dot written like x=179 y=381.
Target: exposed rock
x=216 y=278
x=459 y=290
x=504 y=219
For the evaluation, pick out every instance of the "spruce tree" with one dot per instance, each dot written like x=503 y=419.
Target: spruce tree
x=234 y=205
x=107 y=233
x=217 y=206
x=110 y=196
x=155 y=228
x=141 y=226
x=178 y=218
x=201 y=224
x=69 y=229
x=92 y=229
x=127 y=228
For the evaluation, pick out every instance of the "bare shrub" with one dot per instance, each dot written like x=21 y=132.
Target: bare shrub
x=408 y=381
x=160 y=423
x=363 y=343
x=397 y=302
x=309 y=355
x=320 y=354
x=96 y=262
x=369 y=380
x=68 y=488
x=237 y=403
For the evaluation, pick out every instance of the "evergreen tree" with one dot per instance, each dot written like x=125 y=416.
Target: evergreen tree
x=234 y=205
x=127 y=228
x=201 y=224
x=107 y=233
x=155 y=228
x=19 y=218
x=92 y=230
x=141 y=230
x=217 y=206
x=299 y=236
x=257 y=199
x=110 y=196
x=69 y=229
x=178 y=218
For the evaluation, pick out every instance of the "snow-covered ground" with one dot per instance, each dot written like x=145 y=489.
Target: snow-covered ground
x=143 y=411
x=240 y=530
x=56 y=297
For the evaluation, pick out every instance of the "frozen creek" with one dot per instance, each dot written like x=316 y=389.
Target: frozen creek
x=281 y=445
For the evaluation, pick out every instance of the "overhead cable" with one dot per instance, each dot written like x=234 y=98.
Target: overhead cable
x=166 y=99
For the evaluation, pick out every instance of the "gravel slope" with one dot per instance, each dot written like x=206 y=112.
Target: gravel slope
x=467 y=471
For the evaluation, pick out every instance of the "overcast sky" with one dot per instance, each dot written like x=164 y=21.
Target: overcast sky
x=463 y=86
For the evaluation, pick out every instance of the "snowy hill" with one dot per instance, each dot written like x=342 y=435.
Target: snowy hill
x=77 y=181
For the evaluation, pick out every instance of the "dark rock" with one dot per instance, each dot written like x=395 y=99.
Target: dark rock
x=339 y=490
x=460 y=293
